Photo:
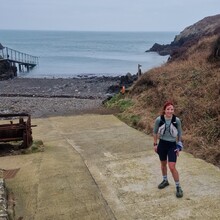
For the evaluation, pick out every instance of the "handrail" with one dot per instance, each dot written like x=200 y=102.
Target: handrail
x=16 y=56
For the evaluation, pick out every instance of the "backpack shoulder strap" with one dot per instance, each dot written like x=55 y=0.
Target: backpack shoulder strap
x=173 y=120
x=162 y=120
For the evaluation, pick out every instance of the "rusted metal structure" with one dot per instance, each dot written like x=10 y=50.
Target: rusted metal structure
x=20 y=131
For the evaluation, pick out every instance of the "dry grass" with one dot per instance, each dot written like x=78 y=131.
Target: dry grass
x=193 y=84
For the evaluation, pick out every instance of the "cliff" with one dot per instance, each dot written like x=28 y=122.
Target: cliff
x=208 y=26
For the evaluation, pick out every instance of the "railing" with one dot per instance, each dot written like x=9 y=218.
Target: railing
x=18 y=57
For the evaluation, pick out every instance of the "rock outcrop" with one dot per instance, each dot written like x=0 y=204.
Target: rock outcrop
x=7 y=71
x=205 y=27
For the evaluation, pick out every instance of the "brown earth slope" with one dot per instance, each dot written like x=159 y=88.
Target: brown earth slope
x=193 y=84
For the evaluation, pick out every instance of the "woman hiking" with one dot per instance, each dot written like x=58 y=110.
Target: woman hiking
x=168 y=131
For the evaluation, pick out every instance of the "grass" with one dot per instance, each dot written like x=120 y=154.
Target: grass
x=124 y=104
x=130 y=119
x=193 y=84
x=119 y=101
x=37 y=146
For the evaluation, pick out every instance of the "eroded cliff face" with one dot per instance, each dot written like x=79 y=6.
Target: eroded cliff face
x=189 y=36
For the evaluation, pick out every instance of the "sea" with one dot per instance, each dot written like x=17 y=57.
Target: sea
x=66 y=54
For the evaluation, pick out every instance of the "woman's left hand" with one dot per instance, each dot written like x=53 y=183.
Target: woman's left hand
x=177 y=152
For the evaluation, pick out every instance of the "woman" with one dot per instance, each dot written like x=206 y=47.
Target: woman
x=168 y=130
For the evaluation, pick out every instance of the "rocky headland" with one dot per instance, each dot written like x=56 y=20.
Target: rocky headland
x=208 y=26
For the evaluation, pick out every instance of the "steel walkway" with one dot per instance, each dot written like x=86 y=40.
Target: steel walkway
x=19 y=58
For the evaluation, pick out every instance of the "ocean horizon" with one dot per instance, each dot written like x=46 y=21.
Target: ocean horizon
x=65 y=54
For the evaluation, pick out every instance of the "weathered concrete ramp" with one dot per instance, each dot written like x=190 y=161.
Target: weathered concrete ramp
x=96 y=167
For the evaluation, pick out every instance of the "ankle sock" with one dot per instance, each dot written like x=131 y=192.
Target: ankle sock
x=177 y=184
x=165 y=178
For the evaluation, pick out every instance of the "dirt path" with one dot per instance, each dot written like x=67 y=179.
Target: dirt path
x=96 y=167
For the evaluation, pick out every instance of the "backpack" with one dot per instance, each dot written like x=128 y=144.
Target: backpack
x=172 y=128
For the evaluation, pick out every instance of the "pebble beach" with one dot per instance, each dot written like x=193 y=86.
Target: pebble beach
x=52 y=97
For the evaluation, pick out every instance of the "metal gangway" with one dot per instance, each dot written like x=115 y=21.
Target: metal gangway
x=16 y=57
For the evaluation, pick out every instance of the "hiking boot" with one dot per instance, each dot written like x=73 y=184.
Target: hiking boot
x=179 y=192
x=163 y=184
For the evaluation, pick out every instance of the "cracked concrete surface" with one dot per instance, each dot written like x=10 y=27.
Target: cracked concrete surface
x=97 y=167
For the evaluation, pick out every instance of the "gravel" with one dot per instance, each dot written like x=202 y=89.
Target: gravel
x=49 y=97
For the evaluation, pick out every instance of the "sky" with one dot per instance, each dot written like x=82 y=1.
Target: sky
x=105 y=15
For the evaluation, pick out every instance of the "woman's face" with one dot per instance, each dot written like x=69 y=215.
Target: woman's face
x=169 y=111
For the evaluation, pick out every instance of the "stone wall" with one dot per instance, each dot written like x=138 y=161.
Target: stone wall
x=3 y=199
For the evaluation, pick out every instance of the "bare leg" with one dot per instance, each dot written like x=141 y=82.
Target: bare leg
x=179 y=191
x=173 y=170
x=164 y=167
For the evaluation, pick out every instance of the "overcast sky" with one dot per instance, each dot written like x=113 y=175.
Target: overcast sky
x=105 y=15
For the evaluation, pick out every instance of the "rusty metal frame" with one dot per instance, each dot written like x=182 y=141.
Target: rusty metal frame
x=17 y=131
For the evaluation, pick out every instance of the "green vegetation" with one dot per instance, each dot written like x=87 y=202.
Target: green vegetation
x=37 y=146
x=118 y=101
x=124 y=104
x=192 y=82
x=130 y=119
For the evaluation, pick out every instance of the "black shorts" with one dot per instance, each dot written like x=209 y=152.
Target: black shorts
x=166 y=149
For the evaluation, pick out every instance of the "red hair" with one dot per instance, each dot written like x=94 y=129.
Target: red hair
x=167 y=104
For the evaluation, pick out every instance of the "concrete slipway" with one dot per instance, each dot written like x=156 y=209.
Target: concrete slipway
x=96 y=167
